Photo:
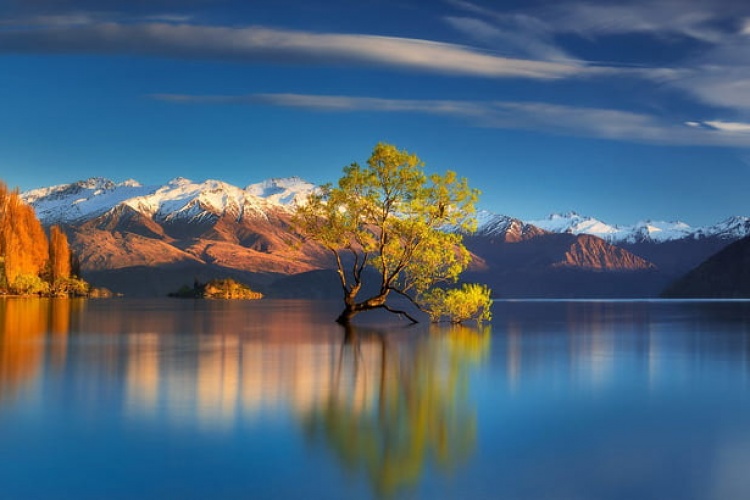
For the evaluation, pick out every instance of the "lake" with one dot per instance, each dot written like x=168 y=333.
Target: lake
x=271 y=399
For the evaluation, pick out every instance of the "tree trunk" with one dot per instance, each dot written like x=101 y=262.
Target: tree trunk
x=345 y=318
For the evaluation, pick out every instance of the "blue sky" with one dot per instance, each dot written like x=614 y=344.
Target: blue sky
x=620 y=110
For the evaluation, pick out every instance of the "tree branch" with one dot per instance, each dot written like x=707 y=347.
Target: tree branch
x=410 y=298
x=340 y=270
x=399 y=312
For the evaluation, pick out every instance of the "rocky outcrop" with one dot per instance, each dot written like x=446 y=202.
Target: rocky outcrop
x=590 y=252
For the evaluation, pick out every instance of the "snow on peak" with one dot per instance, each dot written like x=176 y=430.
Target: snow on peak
x=730 y=228
x=491 y=224
x=95 y=183
x=180 y=181
x=179 y=198
x=182 y=198
x=284 y=191
x=658 y=231
x=572 y=222
x=81 y=200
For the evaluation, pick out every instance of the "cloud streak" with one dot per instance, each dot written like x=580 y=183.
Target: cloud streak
x=599 y=123
x=257 y=43
x=716 y=71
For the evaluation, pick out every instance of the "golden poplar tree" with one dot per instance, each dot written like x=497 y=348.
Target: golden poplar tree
x=59 y=254
x=3 y=225
x=24 y=248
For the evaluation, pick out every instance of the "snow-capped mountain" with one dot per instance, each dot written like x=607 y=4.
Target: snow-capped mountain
x=494 y=225
x=143 y=240
x=82 y=200
x=184 y=200
x=732 y=228
x=643 y=231
x=179 y=199
x=288 y=191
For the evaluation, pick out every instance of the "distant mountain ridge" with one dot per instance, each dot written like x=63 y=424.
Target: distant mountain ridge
x=180 y=198
x=185 y=199
x=130 y=236
x=732 y=228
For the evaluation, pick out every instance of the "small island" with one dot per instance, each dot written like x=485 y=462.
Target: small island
x=217 y=289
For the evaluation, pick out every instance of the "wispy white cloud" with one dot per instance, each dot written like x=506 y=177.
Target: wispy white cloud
x=732 y=127
x=716 y=72
x=599 y=123
x=50 y=20
x=464 y=109
x=688 y=18
x=268 y=44
x=657 y=17
x=519 y=35
x=72 y=20
x=720 y=76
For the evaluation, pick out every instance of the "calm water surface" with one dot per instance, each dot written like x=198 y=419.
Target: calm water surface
x=271 y=399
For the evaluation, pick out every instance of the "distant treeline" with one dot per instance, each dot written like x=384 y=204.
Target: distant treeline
x=31 y=262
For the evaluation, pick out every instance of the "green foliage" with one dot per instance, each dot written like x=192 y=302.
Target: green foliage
x=470 y=302
x=391 y=216
x=217 y=289
x=70 y=287
x=29 y=284
x=228 y=289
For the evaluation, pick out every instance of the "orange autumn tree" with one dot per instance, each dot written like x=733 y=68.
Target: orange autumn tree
x=23 y=243
x=29 y=262
x=59 y=255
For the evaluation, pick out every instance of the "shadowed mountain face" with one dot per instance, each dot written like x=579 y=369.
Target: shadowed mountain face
x=677 y=257
x=148 y=241
x=560 y=265
x=724 y=275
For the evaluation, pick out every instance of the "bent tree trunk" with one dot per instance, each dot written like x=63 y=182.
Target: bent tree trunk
x=352 y=308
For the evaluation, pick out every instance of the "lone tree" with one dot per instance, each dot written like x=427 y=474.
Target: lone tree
x=407 y=226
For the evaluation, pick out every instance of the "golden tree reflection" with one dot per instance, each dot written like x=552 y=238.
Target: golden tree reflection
x=24 y=324
x=419 y=410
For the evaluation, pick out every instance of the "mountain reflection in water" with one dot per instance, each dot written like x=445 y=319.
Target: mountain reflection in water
x=272 y=399
x=386 y=401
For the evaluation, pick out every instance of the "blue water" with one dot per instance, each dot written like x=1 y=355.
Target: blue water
x=271 y=399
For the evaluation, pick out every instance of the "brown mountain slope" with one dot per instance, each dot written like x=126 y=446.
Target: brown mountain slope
x=123 y=244
x=135 y=254
x=554 y=250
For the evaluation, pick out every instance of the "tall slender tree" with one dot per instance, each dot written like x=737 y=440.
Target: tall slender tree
x=24 y=244
x=59 y=254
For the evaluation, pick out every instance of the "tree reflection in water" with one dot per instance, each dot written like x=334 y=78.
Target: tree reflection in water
x=25 y=324
x=420 y=413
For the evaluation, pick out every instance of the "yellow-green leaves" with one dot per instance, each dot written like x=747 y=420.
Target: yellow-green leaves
x=470 y=302
x=393 y=217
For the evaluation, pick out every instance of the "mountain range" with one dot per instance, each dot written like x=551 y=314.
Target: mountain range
x=149 y=240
